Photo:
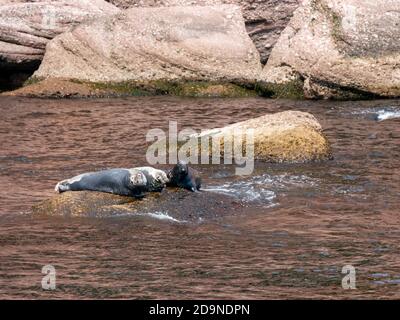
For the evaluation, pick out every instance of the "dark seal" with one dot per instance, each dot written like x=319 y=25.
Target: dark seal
x=123 y=182
x=183 y=176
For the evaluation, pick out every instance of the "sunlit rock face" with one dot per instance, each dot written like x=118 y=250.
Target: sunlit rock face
x=339 y=49
x=265 y=19
x=150 y=44
x=289 y=136
x=26 y=27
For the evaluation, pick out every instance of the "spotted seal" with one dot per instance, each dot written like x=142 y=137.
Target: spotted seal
x=124 y=182
x=156 y=179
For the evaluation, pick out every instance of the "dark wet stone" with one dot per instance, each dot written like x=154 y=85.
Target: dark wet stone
x=178 y=204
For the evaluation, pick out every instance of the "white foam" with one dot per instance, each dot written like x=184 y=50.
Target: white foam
x=385 y=115
x=162 y=216
x=246 y=191
x=381 y=114
x=262 y=189
x=156 y=215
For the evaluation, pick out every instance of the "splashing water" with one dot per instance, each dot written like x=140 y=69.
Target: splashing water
x=380 y=114
x=385 y=115
x=164 y=216
x=262 y=190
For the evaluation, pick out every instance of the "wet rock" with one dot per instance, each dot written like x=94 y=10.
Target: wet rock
x=155 y=44
x=178 y=204
x=85 y=203
x=265 y=19
x=289 y=136
x=59 y=88
x=346 y=49
x=27 y=26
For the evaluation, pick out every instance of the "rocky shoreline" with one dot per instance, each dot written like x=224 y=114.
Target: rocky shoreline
x=66 y=88
x=326 y=49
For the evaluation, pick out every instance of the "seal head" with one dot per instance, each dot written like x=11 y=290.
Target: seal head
x=183 y=176
x=156 y=179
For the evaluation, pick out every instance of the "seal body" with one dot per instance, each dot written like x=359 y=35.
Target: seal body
x=183 y=176
x=124 y=182
x=156 y=179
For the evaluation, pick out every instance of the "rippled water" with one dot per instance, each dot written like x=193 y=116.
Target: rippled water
x=286 y=232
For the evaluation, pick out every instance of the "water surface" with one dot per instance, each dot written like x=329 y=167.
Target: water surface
x=287 y=232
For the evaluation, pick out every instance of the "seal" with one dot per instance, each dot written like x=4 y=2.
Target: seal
x=183 y=176
x=123 y=182
x=156 y=179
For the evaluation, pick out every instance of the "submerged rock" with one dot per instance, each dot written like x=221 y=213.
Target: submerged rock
x=342 y=49
x=180 y=205
x=265 y=19
x=156 y=44
x=27 y=26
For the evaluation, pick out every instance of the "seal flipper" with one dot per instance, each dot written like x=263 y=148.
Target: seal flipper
x=61 y=187
x=198 y=183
